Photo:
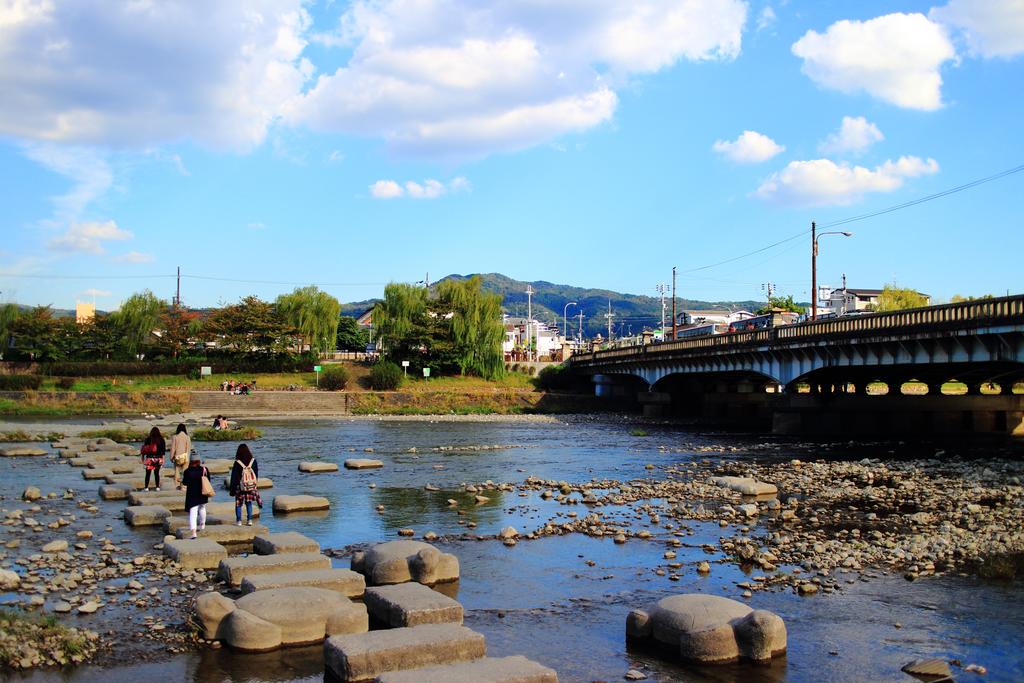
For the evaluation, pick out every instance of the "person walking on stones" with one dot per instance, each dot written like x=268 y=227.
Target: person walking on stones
x=153 y=450
x=242 y=486
x=181 y=446
x=195 y=499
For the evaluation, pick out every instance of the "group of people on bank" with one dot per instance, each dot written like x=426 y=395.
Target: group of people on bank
x=238 y=388
x=193 y=478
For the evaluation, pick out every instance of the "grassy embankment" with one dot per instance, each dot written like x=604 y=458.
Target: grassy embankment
x=28 y=641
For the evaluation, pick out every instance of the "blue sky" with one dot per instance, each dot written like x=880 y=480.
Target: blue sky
x=584 y=142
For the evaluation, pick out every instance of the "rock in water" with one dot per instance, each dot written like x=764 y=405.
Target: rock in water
x=31 y=493
x=929 y=668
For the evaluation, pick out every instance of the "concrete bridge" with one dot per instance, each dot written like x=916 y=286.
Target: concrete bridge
x=827 y=367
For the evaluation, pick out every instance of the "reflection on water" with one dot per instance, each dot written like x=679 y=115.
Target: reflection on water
x=544 y=599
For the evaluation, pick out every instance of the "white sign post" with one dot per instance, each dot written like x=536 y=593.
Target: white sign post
x=316 y=369
x=426 y=373
x=405 y=367
x=205 y=371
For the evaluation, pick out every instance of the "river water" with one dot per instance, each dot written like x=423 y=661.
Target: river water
x=563 y=600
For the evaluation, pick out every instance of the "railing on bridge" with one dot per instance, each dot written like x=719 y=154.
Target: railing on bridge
x=960 y=315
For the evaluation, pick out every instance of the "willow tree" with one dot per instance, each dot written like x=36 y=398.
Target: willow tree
x=895 y=298
x=313 y=314
x=475 y=329
x=8 y=314
x=138 y=316
x=400 y=320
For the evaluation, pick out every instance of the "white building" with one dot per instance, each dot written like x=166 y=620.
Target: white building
x=848 y=299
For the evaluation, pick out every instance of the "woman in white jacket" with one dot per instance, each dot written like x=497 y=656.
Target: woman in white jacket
x=181 y=446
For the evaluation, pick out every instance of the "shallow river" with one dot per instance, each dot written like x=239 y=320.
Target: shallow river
x=541 y=598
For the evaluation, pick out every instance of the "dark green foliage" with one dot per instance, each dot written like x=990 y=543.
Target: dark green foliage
x=313 y=315
x=66 y=383
x=20 y=382
x=385 y=376
x=786 y=303
x=250 y=326
x=221 y=362
x=334 y=378
x=351 y=337
x=554 y=378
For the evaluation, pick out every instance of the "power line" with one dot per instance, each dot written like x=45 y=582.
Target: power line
x=284 y=282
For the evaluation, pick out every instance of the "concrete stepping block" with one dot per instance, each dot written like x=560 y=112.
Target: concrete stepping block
x=363 y=464
x=307 y=466
x=344 y=581
x=364 y=656
x=234 y=569
x=22 y=451
x=226 y=534
x=411 y=604
x=94 y=475
x=114 y=491
x=172 y=500
x=284 y=503
x=517 y=669
x=199 y=553
x=174 y=522
x=219 y=465
x=145 y=515
x=287 y=542
x=227 y=509
x=401 y=561
x=98 y=459
x=261 y=483
x=133 y=479
x=304 y=615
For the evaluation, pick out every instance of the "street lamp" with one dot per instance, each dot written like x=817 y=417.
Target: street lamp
x=565 y=324
x=814 y=264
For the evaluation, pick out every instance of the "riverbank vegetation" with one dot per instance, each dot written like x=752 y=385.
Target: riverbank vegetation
x=28 y=641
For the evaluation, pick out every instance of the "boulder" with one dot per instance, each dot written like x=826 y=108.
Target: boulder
x=145 y=515
x=211 y=608
x=246 y=632
x=57 y=546
x=309 y=467
x=401 y=561
x=363 y=464
x=9 y=580
x=21 y=451
x=234 y=569
x=287 y=542
x=709 y=629
x=286 y=504
x=344 y=581
x=745 y=485
x=31 y=493
x=199 y=553
x=411 y=604
x=302 y=613
x=517 y=669
x=364 y=656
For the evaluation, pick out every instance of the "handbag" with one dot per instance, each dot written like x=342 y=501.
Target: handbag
x=207 y=489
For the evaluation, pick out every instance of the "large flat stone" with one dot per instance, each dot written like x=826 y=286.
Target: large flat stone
x=364 y=656
x=94 y=475
x=145 y=515
x=363 y=464
x=261 y=483
x=344 y=581
x=411 y=604
x=114 y=491
x=305 y=615
x=199 y=553
x=136 y=482
x=287 y=542
x=162 y=497
x=745 y=485
x=284 y=503
x=22 y=451
x=173 y=523
x=226 y=534
x=401 y=561
x=308 y=466
x=219 y=465
x=517 y=669
x=234 y=569
x=226 y=508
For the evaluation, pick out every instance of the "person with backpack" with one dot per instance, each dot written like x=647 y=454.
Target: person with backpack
x=198 y=490
x=242 y=486
x=153 y=450
x=181 y=446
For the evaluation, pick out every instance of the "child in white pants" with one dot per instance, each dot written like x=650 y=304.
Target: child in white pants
x=197 y=513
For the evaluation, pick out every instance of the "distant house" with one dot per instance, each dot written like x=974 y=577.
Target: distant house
x=365 y=322
x=849 y=299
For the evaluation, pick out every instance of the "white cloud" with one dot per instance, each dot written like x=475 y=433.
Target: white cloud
x=335 y=157
x=428 y=189
x=750 y=147
x=256 y=226
x=766 y=18
x=87 y=168
x=138 y=73
x=992 y=28
x=96 y=293
x=896 y=58
x=822 y=182
x=89 y=237
x=854 y=135
x=134 y=257
x=457 y=78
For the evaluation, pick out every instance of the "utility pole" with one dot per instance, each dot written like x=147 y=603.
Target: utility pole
x=609 y=315
x=662 y=288
x=426 y=281
x=768 y=287
x=673 y=302
x=529 y=321
x=579 y=330
x=177 y=294
x=814 y=271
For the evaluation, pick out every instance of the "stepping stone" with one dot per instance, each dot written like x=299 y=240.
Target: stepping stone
x=136 y=482
x=300 y=503
x=300 y=615
x=145 y=515
x=22 y=451
x=199 y=553
x=261 y=483
x=306 y=466
x=226 y=509
x=96 y=459
x=114 y=491
x=288 y=542
x=234 y=569
x=344 y=581
x=364 y=656
x=401 y=561
x=172 y=500
x=93 y=475
x=173 y=523
x=517 y=669
x=226 y=534
x=219 y=466
x=362 y=464
x=411 y=604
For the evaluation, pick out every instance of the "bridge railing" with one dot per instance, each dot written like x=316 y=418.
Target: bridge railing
x=959 y=315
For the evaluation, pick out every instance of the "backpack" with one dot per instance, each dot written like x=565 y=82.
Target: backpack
x=247 y=484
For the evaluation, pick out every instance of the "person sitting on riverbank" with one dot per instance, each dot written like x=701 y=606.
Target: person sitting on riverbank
x=244 y=474
x=152 y=452
x=181 y=446
x=220 y=422
x=195 y=501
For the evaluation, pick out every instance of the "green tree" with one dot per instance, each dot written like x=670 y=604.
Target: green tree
x=37 y=335
x=895 y=298
x=8 y=314
x=351 y=337
x=138 y=316
x=100 y=338
x=401 y=321
x=250 y=325
x=177 y=327
x=314 y=314
x=474 y=328
x=786 y=303
x=959 y=298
